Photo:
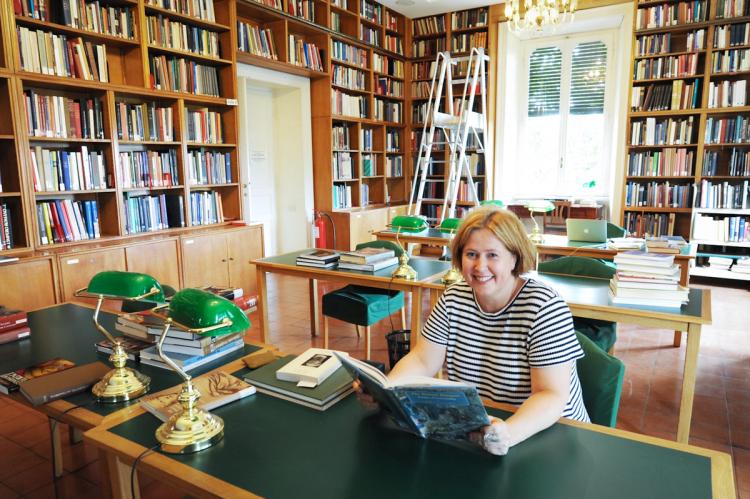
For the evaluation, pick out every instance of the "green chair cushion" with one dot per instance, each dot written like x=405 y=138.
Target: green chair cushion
x=615 y=230
x=601 y=378
x=603 y=333
x=362 y=305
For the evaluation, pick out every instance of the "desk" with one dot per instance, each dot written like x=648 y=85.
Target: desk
x=427 y=270
x=68 y=331
x=593 y=212
x=277 y=449
x=589 y=297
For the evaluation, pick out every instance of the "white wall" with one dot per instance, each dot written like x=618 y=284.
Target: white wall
x=276 y=156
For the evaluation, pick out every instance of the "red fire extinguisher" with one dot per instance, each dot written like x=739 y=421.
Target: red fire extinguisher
x=319 y=230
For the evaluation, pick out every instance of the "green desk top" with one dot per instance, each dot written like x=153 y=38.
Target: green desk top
x=278 y=449
x=430 y=232
x=68 y=331
x=425 y=267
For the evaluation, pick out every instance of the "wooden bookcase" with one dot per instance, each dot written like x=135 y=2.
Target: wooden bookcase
x=691 y=181
x=457 y=32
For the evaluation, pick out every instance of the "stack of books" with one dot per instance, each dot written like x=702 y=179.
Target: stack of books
x=625 y=243
x=742 y=266
x=14 y=325
x=247 y=303
x=321 y=258
x=367 y=259
x=720 y=262
x=132 y=347
x=650 y=279
x=665 y=244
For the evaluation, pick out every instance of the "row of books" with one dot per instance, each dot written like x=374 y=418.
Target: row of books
x=202 y=9
x=204 y=126
x=722 y=229
x=302 y=8
x=348 y=105
x=666 y=162
x=206 y=208
x=342 y=196
x=348 y=53
x=387 y=111
x=57 y=116
x=652 y=224
x=340 y=137
x=658 y=195
x=351 y=78
x=149 y=168
x=665 y=15
x=65 y=220
x=428 y=25
x=256 y=40
x=732 y=35
x=394 y=166
x=661 y=43
x=394 y=44
x=55 y=170
x=425 y=48
x=653 y=131
x=365 y=259
x=727 y=130
x=305 y=54
x=730 y=61
x=464 y=42
x=469 y=19
x=53 y=54
x=737 y=166
x=144 y=121
x=152 y=213
x=95 y=16
x=209 y=167
x=387 y=86
x=387 y=65
x=6 y=227
x=370 y=35
x=722 y=195
x=177 y=74
x=666 y=67
x=169 y=33
x=342 y=166
x=650 y=279
x=727 y=93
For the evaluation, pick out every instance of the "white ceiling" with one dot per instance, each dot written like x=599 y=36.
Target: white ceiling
x=421 y=8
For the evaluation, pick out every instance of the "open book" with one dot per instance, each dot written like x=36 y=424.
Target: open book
x=428 y=407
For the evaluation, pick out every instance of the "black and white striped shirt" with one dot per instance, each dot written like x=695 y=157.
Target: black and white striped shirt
x=495 y=352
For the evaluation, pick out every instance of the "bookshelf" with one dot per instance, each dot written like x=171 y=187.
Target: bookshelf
x=457 y=32
x=687 y=147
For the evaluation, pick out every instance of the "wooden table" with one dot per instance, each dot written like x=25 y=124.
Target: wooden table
x=275 y=448
x=589 y=297
x=427 y=269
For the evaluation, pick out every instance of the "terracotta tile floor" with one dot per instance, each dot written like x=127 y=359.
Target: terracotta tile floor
x=721 y=417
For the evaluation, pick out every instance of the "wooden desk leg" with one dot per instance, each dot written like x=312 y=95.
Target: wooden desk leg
x=262 y=304
x=416 y=315
x=74 y=435
x=105 y=488
x=119 y=477
x=57 y=456
x=684 y=281
x=688 y=382
x=314 y=308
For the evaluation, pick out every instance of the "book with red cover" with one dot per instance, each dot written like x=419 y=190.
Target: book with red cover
x=11 y=319
x=15 y=334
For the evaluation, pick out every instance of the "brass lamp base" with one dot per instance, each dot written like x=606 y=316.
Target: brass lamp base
x=183 y=434
x=404 y=271
x=536 y=237
x=453 y=275
x=121 y=383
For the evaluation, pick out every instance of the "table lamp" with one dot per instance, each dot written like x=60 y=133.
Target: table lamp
x=541 y=206
x=450 y=226
x=121 y=383
x=200 y=312
x=406 y=223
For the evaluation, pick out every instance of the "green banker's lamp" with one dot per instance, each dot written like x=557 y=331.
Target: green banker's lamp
x=493 y=202
x=122 y=383
x=412 y=224
x=539 y=206
x=200 y=312
x=450 y=226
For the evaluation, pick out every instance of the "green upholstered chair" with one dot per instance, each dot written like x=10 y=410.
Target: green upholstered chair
x=603 y=333
x=361 y=305
x=601 y=378
x=615 y=230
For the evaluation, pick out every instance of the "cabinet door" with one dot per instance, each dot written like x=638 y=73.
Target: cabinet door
x=158 y=259
x=244 y=246
x=27 y=285
x=204 y=260
x=364 y=223
x=77 y=270
x=394 y=211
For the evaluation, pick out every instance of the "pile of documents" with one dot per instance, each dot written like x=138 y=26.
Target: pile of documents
x=650 y=279
x=742 y=266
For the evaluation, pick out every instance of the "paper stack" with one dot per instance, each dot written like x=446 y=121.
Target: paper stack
x=720 y=262
x=650 y=279
x=742 y=266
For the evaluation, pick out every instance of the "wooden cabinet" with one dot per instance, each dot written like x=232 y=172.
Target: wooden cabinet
x=28 y=284
x=77 y=269
x=160 y=259
x=222 y=259
x=357 y=226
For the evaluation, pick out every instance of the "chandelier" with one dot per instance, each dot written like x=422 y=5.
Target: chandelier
x=536 y=14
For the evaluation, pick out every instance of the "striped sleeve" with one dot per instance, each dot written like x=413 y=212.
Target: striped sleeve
x=552 y=340
x=437 y=327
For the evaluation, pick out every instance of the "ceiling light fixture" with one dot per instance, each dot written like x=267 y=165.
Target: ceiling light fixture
x=537 y=14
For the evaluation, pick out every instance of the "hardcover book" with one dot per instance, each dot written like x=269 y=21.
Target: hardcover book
x=310 y=368
x=10 y=382
x=64 y=383
x=367 y=255
x=321 y=255
x=369 y=267
x=11 y=319
x=428 y=407
x=10 y=335
x=216 y=389
x=337 y=386
x=132 y=346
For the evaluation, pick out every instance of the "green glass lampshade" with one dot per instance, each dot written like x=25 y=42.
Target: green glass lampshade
x=205 y=313
x=494 y=202
x=408 y=223
x=539 y=205
x=450 y=225
x=126 y=285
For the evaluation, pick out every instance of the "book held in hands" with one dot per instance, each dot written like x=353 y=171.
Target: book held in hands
x=428 y=407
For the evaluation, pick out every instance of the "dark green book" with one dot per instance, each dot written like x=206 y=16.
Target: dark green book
x=337 y=386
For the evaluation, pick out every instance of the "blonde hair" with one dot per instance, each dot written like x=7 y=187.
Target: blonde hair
x=506 y=226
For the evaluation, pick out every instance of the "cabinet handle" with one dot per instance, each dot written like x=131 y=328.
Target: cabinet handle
x=223 y=260
x=231 y=259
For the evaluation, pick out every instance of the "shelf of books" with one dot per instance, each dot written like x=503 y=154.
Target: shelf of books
x=123 y=119
x=688 y=140
x=457 y=32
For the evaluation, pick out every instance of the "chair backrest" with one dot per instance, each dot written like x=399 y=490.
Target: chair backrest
x=578 y=265
x=601 y=378
x=382 y=244
x=615 y=230
x=558 y=215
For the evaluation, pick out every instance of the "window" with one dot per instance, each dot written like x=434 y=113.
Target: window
x=564 y=143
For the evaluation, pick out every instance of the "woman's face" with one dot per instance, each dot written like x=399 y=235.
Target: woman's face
x=487 y=266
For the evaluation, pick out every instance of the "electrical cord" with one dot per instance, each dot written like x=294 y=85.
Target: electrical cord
x=53 y=428
x=135 y=465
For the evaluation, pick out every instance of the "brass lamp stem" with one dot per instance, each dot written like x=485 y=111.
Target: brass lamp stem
x=404 y=270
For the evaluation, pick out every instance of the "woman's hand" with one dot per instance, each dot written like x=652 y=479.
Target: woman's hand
x=494 y=438
x=364 y=398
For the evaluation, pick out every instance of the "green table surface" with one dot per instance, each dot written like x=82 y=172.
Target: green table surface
x=68 y=331
x=278 y=449
x=425 y=267
x=430 y=232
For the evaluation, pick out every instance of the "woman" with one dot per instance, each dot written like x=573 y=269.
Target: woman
x=510 y=336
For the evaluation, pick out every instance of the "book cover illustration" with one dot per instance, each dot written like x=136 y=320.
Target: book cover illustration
x=9 y=382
